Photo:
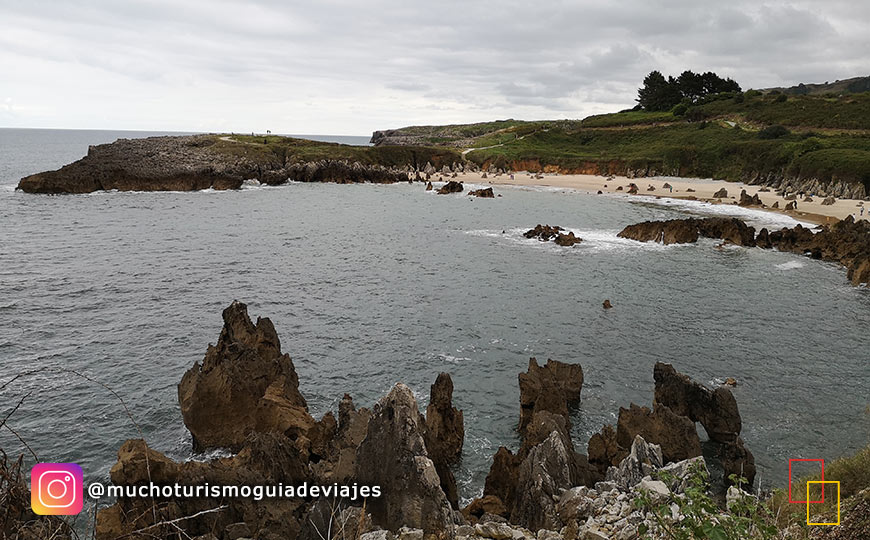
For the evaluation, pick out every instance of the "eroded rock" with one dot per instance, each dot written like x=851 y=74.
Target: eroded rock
x=244 y=384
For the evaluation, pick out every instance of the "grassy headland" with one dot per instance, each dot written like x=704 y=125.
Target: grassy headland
x=731 y=136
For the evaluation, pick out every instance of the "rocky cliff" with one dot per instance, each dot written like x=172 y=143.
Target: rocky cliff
x=188 y=163
x=244 y=396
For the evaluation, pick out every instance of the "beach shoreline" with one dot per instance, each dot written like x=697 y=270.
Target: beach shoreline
x=703 y=190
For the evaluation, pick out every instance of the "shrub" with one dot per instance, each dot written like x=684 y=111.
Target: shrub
x=752 y=93
x=747 y=518
x=739 y=98
x=773 y=132
x=680 y=109
x=782 y=98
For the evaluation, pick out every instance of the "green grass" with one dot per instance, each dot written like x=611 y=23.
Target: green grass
x=685 y=149
x=849 y=112
x=278 y=150
x=629 y=118
x=852 y=472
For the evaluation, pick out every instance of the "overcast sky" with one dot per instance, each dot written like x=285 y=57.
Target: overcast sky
x=350 y=67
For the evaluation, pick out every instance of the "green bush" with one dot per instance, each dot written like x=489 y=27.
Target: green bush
x=745 y=519
x=752 y=93
x=773 y=132
x=782 y=98
x=679 y=109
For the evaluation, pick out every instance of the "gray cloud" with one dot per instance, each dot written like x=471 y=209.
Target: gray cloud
x=348 y=67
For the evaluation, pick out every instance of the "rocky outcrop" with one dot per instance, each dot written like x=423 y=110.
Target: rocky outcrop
x=643 y=460
x=244 y=384
x=336 y=171
x=445 y=428
x=543 y=475
x=485 y=193
x=716 y=410
x=551 y=387
x=721 y=194
x=683 y=231
x=267 y=459
x=674 y=434
x=393 y=455
x=545 y=233
x=196 y=162
x=746 y=200
x=546 y=463
x=451 y=187
x=846 y=242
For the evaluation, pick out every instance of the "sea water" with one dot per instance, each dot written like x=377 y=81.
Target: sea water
x=370 y=285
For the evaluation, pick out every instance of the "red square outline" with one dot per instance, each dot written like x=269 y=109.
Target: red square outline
x=789 y=482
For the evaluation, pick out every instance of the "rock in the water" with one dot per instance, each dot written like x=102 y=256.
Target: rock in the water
x=674 y=434
x=429 y=186
x=393 y=455
x=567 y=240
x=451 y=187
x=485 y=193
x=606 y=304
x=682 y=231
x=544 y=233
x=716 y=410
x=445 y=429
x=549 y=388
x=244 y=385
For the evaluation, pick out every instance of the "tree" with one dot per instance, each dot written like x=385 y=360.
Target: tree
x=658 y=93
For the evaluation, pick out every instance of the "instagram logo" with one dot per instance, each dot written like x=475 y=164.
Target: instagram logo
x=56 y=489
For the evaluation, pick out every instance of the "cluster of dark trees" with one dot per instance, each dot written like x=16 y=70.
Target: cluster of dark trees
x=661 y=94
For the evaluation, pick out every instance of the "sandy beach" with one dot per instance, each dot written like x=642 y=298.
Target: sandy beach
x=702 y=189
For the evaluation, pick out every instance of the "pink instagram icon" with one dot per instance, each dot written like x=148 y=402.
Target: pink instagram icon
x=56 y=489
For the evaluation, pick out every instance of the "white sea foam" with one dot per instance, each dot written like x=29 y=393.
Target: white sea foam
x=754 y=216
x=594 y=241
x=791 y=265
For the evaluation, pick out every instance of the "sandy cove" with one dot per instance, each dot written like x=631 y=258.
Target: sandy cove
x=813 y=212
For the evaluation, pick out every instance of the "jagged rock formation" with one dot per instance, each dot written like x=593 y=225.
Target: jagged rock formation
x=244 y=385
x=526 y=483
x=846 y=242
x=195 y=162
x=682 y=231
x=451 y=187
x=746 y=200
x=335 y=171
x=721 y=194
x=445 y=428
x=551 y=387
x=394 y=456
x=675 y=434
x=486 y=193
x=266 y=459
x=716 y=410
x=545 y=233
